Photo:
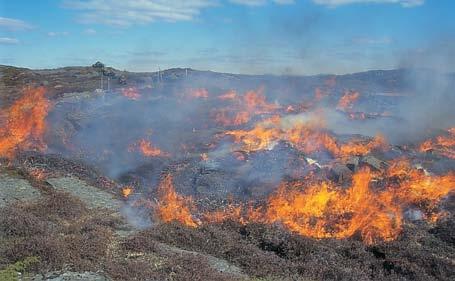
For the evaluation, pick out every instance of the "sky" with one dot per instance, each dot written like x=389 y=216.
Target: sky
x=236 y=36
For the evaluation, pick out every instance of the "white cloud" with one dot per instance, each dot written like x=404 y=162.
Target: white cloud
x=260 y=2
x=14 y=24
x=57 y=33
x=131 y=12
x=8 y=41
x=404 y=3
x=90 y=31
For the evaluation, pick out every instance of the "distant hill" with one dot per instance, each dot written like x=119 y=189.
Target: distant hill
x=86 y=78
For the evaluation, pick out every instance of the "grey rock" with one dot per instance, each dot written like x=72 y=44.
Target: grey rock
x=374 y=162
x=70 y=276
x=14 y=189
x=92 y=196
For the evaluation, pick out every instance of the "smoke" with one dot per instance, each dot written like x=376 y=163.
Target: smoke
x=175 y=116
x=432 y=95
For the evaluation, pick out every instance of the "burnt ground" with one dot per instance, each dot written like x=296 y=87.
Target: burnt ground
x=73 y=230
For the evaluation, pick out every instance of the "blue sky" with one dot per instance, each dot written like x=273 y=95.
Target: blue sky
x=237 y=36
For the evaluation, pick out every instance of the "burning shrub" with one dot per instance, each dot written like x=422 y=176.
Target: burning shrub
x=25 y=124
x=172 y=206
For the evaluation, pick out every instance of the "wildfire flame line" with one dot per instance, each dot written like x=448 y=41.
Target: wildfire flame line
x=307 y=136
x=324 y=210
x=444 y=145
x=26 y=123
x=244 y=107
x=172 y=206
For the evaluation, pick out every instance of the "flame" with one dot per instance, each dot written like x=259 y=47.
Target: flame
x=38 y=174
x=147 y=149
x=305 y=135
x=231 y=212
x=255 y=102
x=172 y=206
x=26 y=123
x=229 y=95
x=252 y=103
x=132 y=93
x=371 y=207
x=204 y=157
x=263 y=136
x=323 y=210
x=444 y=145
x=347 y=100
x=418 y=187
x=127 y=191
x=224 y=117
x=198 y=93
x=358 y=147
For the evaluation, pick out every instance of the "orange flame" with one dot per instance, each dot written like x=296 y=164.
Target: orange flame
x=132 y=93
x=38 y=174
x=444 y=145
x=229 y=95
x=172 y=206
x=326 y=211
x=198 y=93
x=127 y=191
x=323 y=211
x=26 y=123
x=306 y=136
x=252 y=103
x=347 y=100
x=255 y=102
x=147 y=149
x=223 y=117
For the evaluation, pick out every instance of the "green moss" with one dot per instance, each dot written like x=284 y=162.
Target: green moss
x=11 y=272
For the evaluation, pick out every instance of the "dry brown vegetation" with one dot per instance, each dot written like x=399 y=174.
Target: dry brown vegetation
x=58 y=229
x=64 y=234
x=263 y=251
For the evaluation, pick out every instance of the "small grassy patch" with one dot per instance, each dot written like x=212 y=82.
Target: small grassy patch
x=11 y=272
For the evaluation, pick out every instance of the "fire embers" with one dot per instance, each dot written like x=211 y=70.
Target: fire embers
x=443 y=145
x=25 y=123
x=371 y=208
